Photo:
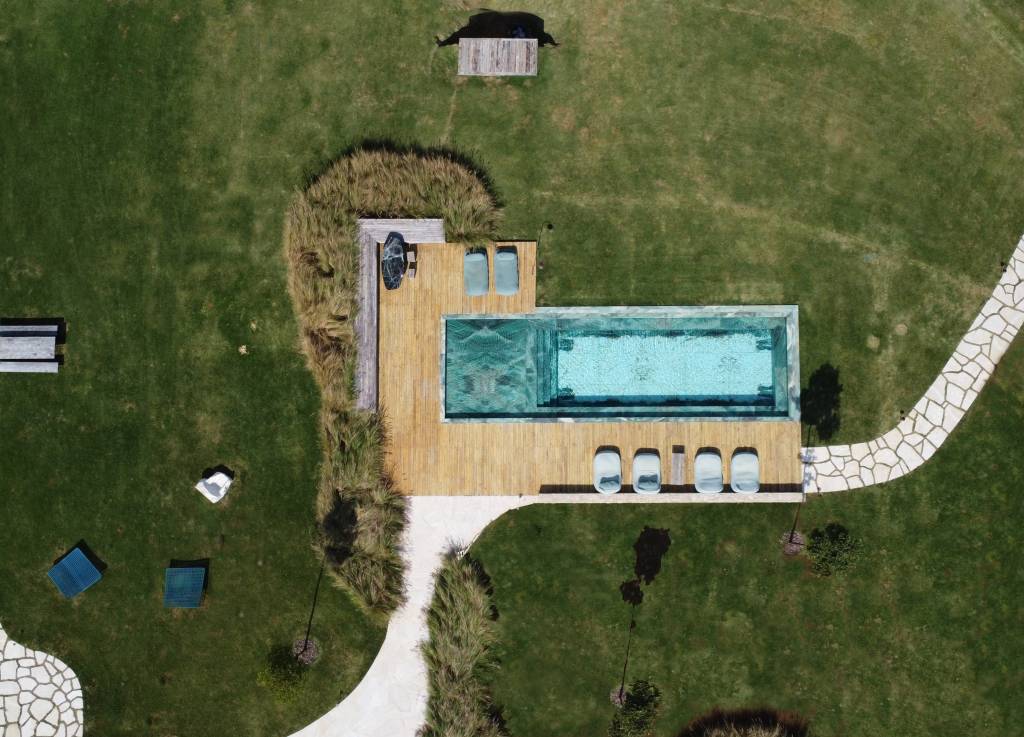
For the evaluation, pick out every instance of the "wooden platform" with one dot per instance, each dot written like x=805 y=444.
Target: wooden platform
x=428 y=456
x=498 y=57
x=373 y=232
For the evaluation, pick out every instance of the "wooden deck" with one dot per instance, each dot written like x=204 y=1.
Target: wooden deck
x=29 y=348
x=428 y=456
x=498 y=57
x=371 y=234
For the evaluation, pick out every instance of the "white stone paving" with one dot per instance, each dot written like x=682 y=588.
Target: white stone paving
x=40 y=696
x=920 y=434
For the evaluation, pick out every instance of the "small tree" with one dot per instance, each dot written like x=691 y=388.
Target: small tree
x=639 y=710
x=833 y=549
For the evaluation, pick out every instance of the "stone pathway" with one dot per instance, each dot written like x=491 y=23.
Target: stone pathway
x=916 y=438
x=39 y=695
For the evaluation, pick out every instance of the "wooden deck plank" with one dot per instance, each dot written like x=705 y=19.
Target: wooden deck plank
x=498 y=57
x=428 y=456
x=371 y=233
x=27 y=347
x=29 y=367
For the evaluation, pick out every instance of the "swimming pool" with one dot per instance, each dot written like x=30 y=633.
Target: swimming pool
x=628 y=363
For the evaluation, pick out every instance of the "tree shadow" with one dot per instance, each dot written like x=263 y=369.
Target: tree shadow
x=494 y=24
x=820 y=402
x=338 y=530
x=650 y=548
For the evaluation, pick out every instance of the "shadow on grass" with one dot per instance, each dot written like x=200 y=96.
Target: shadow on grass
x=495 y=24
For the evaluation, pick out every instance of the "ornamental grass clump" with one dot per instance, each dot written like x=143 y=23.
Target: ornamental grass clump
x=460 y=653
x=360 y=516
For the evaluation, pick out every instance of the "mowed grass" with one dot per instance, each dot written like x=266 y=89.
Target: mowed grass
x=921 y=637
x=861 y=159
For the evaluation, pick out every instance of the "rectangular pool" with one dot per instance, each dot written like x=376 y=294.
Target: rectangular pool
x=622 y=363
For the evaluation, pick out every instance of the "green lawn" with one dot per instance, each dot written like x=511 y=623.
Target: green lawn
x=922 y=637
x=860 y=159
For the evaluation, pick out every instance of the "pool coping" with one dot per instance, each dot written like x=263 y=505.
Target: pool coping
x=790 y=313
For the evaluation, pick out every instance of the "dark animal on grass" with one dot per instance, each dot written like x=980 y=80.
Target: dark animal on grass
x=493 y=24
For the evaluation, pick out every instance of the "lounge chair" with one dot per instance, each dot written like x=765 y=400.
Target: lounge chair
x=707 y=472
x=607 y=471
x=183 y=587
x=215 y=487
x=74 y=573
x=506 y=271
x=646 y=472
x=474 y=273
x=745 y=472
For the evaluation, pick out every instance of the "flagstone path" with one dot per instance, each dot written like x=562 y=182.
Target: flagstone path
x=39 y=695
x=920 y=434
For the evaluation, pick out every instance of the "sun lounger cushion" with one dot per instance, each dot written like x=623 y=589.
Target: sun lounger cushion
x=607 y=472
x=707 y=472
x=646 y=473
x=745 y=473
x=74 y=573
x=474 y=274
x=506 y=271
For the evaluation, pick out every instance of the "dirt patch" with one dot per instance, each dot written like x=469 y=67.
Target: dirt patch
x=873 y=342
x=900 y=329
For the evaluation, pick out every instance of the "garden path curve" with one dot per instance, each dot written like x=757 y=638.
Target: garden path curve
x=39 y=694
x=918 y=435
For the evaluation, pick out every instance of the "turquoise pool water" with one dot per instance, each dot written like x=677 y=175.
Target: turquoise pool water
x=617 y=366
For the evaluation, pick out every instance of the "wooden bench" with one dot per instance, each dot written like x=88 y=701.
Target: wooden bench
x=29 y=348
x=498 y=57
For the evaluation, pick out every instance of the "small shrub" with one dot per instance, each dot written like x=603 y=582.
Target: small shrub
x=282 y=674
x=639 y=711
x=832 y=550
x=459 y=653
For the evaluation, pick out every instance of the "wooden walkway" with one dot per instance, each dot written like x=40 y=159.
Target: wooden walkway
x=371 y=234
x=498 y=57
x=428 y=456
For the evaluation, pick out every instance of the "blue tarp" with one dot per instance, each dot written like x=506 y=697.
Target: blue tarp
x=183 y=587
x=74 y=573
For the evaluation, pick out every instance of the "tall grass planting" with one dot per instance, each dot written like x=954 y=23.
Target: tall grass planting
x=360 y=515
x=459 y=653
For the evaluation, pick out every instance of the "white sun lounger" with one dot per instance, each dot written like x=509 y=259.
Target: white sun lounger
x=215 y=487
x=646 y=473
x=607 y=471
x=707 y=472
x=745 y=472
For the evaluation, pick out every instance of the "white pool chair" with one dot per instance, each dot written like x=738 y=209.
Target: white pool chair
x=707 y=472
x=215 y=487
x=745 y=472
x=607 y=471
x=646 y=472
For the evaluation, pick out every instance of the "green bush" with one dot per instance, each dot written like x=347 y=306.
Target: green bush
x=639 y=711
x=832 y=550
x=282 y=674
x=459 y=653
